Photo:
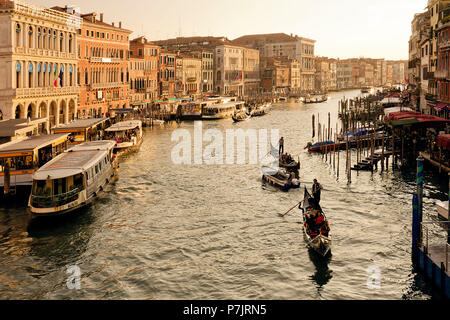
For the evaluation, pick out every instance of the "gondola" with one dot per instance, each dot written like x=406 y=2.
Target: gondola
x=291 y=166
x=281 y=179
x=321 y=243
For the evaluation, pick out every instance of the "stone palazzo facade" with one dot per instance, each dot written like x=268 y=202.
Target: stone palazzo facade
x=38 y=63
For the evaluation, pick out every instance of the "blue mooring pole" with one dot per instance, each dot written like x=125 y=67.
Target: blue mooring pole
x=417 y=209
x=420 y=161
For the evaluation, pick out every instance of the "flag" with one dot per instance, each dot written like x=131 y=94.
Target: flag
x=60 y=78
x=56 y=77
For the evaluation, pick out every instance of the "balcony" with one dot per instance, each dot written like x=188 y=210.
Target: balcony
x=428 y=75
x=44 y=53
x=44 y=92
x=441 y=74
x=105 y=60
x=98 y=86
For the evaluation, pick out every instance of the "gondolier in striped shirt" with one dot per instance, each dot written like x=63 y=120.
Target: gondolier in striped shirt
x=316 y=191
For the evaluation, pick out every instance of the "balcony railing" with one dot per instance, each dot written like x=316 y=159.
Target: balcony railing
x=46 y=91
x=441 y=74
x=44 y=53
x=95 y=86
x=41 y=12
x=428 y=75
x=105 y=60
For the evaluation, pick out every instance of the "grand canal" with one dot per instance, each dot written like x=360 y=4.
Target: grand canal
x=167 y=231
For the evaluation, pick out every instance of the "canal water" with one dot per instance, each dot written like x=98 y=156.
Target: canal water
x=166 y=231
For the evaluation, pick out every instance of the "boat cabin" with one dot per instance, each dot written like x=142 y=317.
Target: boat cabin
x=21 y=158
x=83 y=130
x=126 y=134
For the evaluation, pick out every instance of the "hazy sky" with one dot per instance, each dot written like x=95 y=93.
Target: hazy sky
x=342 y=28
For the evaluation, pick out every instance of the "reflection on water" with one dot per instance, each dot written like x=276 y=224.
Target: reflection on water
x=323 y=274
x=165 y=231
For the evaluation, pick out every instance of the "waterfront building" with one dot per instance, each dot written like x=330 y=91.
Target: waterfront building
x=103 y=67
x=251 y=72
x=442 y=73
x=279 y=45
x=343 y=74
x=39 y=63
x=419 y=33
x=143 y=69
x=191 y=75
x=323 y=74
x=229 y=70
x=166 y=79
x=275 y=76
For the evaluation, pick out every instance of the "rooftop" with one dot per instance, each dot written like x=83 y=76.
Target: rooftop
x=31 y=143
x=269 y=38
x=13 y=127
x=81 y=124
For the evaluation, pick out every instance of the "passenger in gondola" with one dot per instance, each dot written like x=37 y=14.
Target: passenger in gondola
x=311 y=223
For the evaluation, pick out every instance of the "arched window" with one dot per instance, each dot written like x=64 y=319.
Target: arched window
x=18 y=35
x=1 y=115
x=39 y=75
x=17 y=113
x=86 y=76
x=39 y=39
x=70 y=75
x=54 y=41
x=30 y=112
x=70 y=43
x=30 y=37
x=30 y=75
x=61 y=42
x=18 y=74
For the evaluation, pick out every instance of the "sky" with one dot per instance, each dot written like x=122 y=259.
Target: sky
x=342 y=28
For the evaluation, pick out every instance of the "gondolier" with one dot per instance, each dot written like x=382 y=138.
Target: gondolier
x=316 y=191
x=281 y=146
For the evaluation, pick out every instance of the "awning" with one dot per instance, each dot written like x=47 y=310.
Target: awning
x=444 y=141
x=441 y=107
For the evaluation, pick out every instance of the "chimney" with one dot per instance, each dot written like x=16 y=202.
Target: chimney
x=112 y=23
x=120 y=25
x=101 y=17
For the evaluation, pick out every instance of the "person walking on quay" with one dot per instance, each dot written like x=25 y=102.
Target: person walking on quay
x=316 y=191
x=281 y=146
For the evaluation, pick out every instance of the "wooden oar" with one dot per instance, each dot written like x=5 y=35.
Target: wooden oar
x=282 y=215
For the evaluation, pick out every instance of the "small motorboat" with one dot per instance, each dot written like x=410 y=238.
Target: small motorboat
x=318 y=240
x=241 y=116
x=261 y=110
x=281 y=179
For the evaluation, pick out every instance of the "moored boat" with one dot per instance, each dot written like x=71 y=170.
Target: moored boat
x=127 y=135
x=281 y=179
x=319 y=238
x=73 y=179
x=241 y=116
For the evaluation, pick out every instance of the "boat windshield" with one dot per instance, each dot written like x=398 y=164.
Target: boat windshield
x=57 y=192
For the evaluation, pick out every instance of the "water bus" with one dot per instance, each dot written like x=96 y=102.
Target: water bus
x=20 y=158
x=316 y=98
x=127 y=135
x=73 y=179
x=83 y=130
x=221 y=111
